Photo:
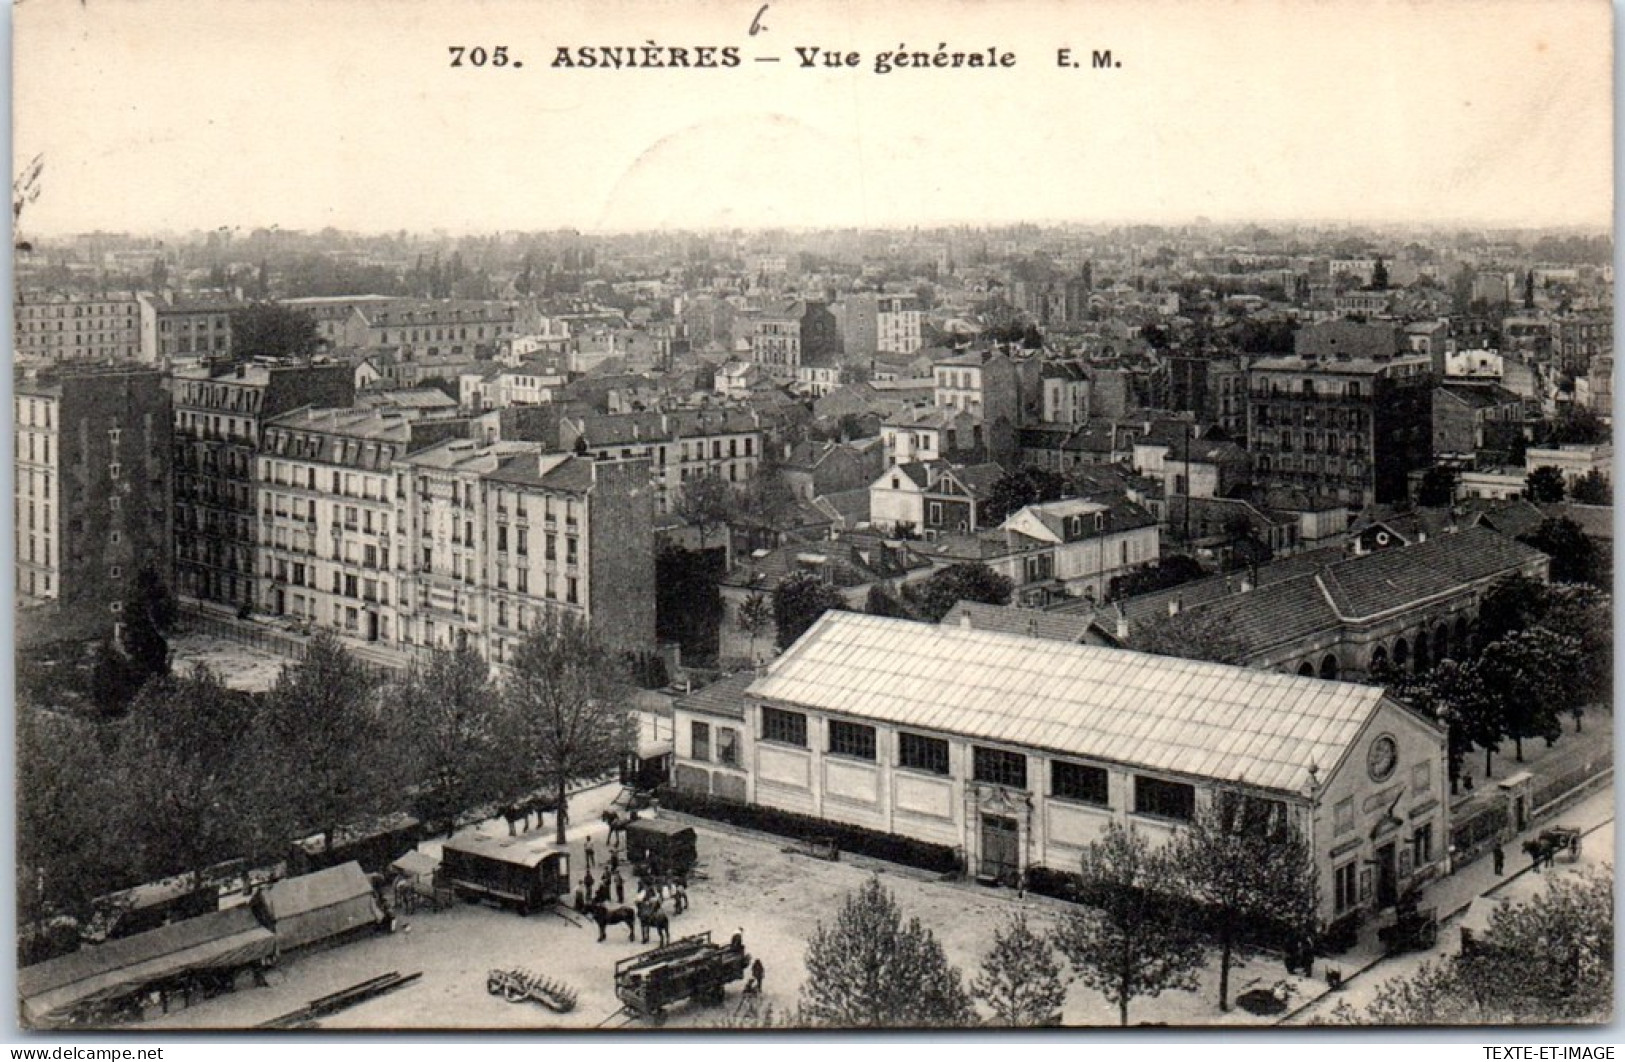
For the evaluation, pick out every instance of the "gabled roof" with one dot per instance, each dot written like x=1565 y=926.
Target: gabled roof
x=1193 y=718
x=1030 y=623
x=725 y=697
x=1393 y=578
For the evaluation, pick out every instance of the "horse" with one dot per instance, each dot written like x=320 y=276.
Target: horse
x=617 y=824
x=650 y=914
x=607 y=916
x=521 y=811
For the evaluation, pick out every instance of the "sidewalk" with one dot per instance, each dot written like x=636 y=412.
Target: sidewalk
x=1365 y=966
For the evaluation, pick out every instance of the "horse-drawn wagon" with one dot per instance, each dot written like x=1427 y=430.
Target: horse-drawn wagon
x=661 y=848
x=529 y=875
x=689 y=968
x=1549 y=844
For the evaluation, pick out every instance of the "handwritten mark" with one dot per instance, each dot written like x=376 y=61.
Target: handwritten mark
x=756 y=24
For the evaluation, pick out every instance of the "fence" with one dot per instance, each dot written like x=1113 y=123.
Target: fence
x=1558 y=792
x=378 y=663
x=1477 y=834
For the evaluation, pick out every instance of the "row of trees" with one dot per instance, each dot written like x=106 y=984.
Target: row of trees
x=195 y=774
x=1154 y=918
x=1546 y=652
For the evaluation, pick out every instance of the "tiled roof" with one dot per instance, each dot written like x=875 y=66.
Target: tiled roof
x=1052 y=626
x=724 y=697
x=565 y=472
x=1596 y=521
x=1392 y=578
x=1188 y=717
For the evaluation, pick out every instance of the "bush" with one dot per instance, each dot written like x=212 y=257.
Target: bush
x=890 y=847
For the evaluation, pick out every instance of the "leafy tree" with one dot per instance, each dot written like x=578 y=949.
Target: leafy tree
x=1585 y=614
x=148 y=611
x=1514 y=603
x=1593 y=488
x=1020 y=980
x=1132 y=940
x=321 y=730
x=1250 y=870
x=114 y=680
x=1544 y=485
x=1379 y=276
x=568 y=695
x=455 y=740
x=1197 y=634
x=1529 y=673
x=688 y=606
x=1575 y=558
x=1452 y=693
x=69 y=850
x=190 y=782
x=1438 y=487
x=270 y=330
x=798 y=601
x=934 y=597
x=870 y=969
x=881 y=602
x=1025 y=486
x=1170 y=571
x=705 y=504
x=756 y=618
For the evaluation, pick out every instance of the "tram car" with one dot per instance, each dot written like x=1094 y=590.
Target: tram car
x=527 y=874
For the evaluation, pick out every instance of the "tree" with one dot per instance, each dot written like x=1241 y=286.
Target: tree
x=1020 y=980
x=320 y=731
x=1529 y=672
x=755 y=618
x=1379 y=276
x=705 y=504
x=1132 y=940
x=1593 y=488
x=1575 y=558
x=798 y=601
x=1198 y=634
x=1453 y=694
x=454 y=739
x=1544 y=485
x=569 y=697
x=1438 y=487
x=870 y=969
x=1585 y=614
x=1514 y=603
x=933 y=598
x=881 y=602
x=1170 y=571
x=190 y=782
x=1250 y=871
x=1025 y=486
x=148 y=611
x=1529 y=290
x=270 y=330
x=114 y=680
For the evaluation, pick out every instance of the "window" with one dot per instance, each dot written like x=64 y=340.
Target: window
x=1077 y=781
x=1343 y=815
x=1347 y=893
x=1422 y=846
x=936 y=513
x=997 y=767
x=699 y=741
x=851 y=739
x=727 y=746
x=1168 y=800
x=787 y=728
x=921 y=753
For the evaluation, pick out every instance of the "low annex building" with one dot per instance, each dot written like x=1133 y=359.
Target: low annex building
x=1019 y=752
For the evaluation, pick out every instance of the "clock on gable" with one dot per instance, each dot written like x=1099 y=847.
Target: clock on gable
x=1382 y=757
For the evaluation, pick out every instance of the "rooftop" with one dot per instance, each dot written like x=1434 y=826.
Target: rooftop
x=1187 y=717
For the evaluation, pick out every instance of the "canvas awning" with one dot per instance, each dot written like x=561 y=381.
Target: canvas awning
x=52 y=992
x=415 y=864
x=314 y=907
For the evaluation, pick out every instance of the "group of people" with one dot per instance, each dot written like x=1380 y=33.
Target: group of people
x=611 y=886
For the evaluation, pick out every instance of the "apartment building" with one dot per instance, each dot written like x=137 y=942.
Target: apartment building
x=185 y=329
x=92 y=490
x=330 y=495
x=219 y=421
x=679 y=446
x=78 y=328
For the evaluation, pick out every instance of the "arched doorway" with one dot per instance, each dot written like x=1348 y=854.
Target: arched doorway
x=1464 y=644
x=1441 y=643
x=1328 y=667
x=1423 y=657
x=1379 y=659
x=1306 y=669
x=1402 y=653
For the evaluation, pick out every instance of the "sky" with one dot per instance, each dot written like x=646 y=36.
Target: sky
x=173 y=116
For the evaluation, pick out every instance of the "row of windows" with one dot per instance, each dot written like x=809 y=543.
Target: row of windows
x=1069 y=780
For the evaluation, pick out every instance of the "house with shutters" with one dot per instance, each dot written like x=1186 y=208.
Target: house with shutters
x=932 y=498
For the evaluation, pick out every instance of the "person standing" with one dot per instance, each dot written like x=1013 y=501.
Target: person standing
x=586 y=883
x=590 y=858
x=756 y=973
x=620 y=888
x=1500 y=859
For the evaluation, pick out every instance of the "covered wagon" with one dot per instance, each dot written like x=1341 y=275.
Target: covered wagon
x=320 y=908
